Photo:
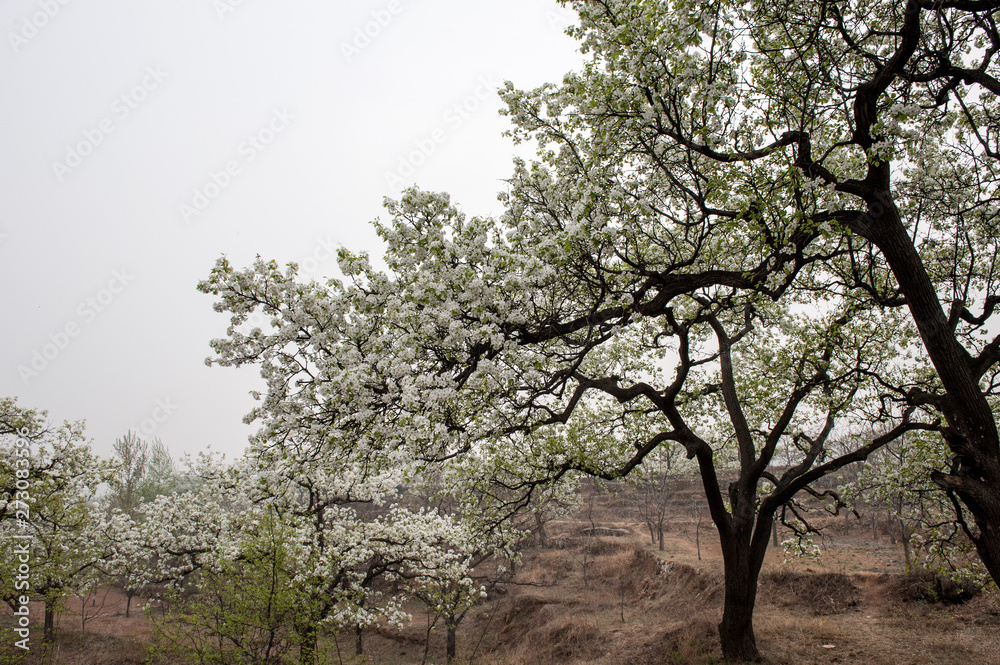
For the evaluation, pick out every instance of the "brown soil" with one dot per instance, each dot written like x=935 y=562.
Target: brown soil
x=637 y=605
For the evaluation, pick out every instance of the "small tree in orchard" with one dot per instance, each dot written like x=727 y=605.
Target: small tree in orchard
x=244 y=606
x=549 y=504
x=226 y=562
x=349 y=547
x=450 y=590
x=279 y=551
x=499 y=508
x=54 y=513
x=655 y=489
x=126 y=486
x=932 y=535
x=130 y=561
x=143 y=472
x=182 y=532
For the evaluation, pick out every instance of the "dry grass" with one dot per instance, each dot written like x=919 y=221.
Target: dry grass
x=635 y=608
x=822 y=593
x=108 y=638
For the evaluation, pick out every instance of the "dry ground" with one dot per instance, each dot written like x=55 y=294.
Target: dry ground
x=619 y=601
x=637 y=608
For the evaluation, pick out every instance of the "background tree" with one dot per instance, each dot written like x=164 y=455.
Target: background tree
x=144 y=471
x=656 y=488
x=60 y=514
x=161 y=473
x=133 y=462
x=897 y=481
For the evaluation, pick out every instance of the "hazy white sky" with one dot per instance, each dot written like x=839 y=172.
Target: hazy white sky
x=141 y=140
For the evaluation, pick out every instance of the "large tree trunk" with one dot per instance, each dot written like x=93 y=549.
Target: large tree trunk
x=543 y=538
x=966 y=409
x=986 y=510
x=743 y=558
x=49 y=632
x=308 y=636
x=452 y=627
x=744 y=537
x=736 y=630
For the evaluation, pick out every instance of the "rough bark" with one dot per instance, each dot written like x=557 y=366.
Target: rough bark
x=307 y=644
x=743 y=556
x=543 y=537
x=49 y=631
x=966 y=409
x=452 y=627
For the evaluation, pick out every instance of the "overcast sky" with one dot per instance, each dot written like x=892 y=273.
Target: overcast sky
x=140 y=141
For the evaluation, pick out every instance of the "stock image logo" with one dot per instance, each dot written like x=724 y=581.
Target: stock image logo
x=452 y=119
x=163 y=408
x=225 y=7
x=121 y=108
x=248 y=150
x=29 y=27
x=86 y=313
x=366 y=34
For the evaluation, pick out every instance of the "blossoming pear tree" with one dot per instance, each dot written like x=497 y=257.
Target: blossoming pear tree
x=50 y=538
x=748 y=224
x=858 y=136
x=436 y=359
x=336 y=555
